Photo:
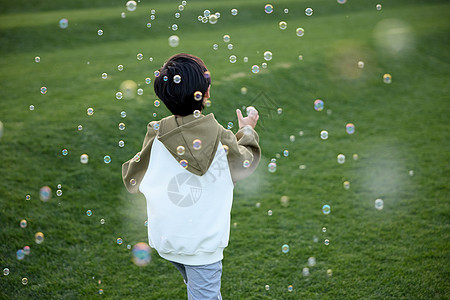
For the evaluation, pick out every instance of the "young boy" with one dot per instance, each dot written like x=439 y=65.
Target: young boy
x=186 y=169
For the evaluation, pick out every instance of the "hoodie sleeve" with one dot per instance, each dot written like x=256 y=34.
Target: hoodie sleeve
x=244 y=153
x=133 y=171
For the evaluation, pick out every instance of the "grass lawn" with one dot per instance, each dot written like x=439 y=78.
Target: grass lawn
x=401 y=142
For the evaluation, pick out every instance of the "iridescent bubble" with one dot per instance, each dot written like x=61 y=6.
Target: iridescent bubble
x=152 y=17
x=149 y=25
x=305 y=271
x=197 y=144
x=326 y=242
x=324 y=134
x=341 y=158
x=133 y=181
x=204 y=19
x=244 y=90
x=378 y=6
x=174 y=41
x=279 y=111
x=177 y=79
x=272 y=167
x=100 y=291
x=292 y=138
x=326 y=209
x=268 y=8
x=267 y=287
x=107 y=159
x=123 y=114
x=208 y=103
x=27 y=250
x=355 y=156
x=341 y=1
x=123 y=15
x=20 y=254
x=131 y=5
x=234 y=12
x=264 y=65
x=197 y=113
x=177 y=15
x=119 y=241
x=346 y=185
x=311 y=261
x=153 y=11
x=156 y=103
x=329 y=272
x=5 y=271
x=140 y=92
x=300 y=31
x=226 y=38
x=90 y=111
x=39 y=237
x=268 y=55
x=350 y=128
x=180 y=150
x=23 y=223
x=286 y=153
x=37 y=59
x=141 y=254
x=80 y=127
x=309 y=12
x=121 y=144
x=121 y=126
x=102 y=221
x=27 y=197
x=148 y=80
x=156 y=126
x=226 y=149
x=89 y=213
x=45 y=193
x=285 y=248
x=180 y=7
x=59 y=193
x=184 y=2
x=154 y=115
x=290 y=288
x=360 y=64
x=324 y=229
x=230 y=46
x=63 y=23
x=387 y=78
x=24 y=281
x=286 y=10
x=411 y=173
x=206 y=12
x=65 y=152
x=43 y=90
x=174 y=27
x=198 y=96
x=100 y=32
x=165 y=78
x=230 y=125
x=139 y=56
x=84 y=159
x=31 y=107
x=184 y=163
x=120 y=68
x=282 y=25
x=379 y=204
x=233 y=59
x=269 y=212
x=212 y=19
x=59 y=186
x=104 y=75
x=255 y=69
x=246 y=163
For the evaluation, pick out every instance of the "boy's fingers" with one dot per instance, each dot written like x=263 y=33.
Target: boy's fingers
x=239 y=115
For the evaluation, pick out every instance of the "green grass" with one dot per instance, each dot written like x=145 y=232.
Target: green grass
x=398 y=252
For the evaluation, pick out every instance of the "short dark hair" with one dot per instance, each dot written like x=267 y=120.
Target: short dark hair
x=179 y=97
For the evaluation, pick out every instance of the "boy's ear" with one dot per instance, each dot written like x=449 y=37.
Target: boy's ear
x=207 y=95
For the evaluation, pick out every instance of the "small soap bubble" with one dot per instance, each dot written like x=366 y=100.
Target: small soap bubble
x=184 y=163
x=27 y=197
x=131 y=5
x=148 y=80
x=121 y=126
x=326 y=242
x=269 y=213
x=246 y=163
x=290 y=288
x=59 y=186
x=139 y=56
x=226 y=38
x=90 y=111
x=387 y=78
x=350 y=128
x=286 y=10
x=267 y=55
x=230 y=125
x=177 y=79
x=45 y=193
x=100 y=32
x=346 y=185
x=197 y=144
x=133 y=181
x=318 y=105
x=198 y=96
x=84 y=159
x=329 y=272
x=37 y=59
x=233 y=59
x=59 y=193
x=180 y=7
x=154 y=115
x=64 y=152
x=300 y=57
x=180 y=150
x=324 y=229
x=174 y=27
x=102 y=221
x=292 y=138
x=152 y=17
x=212 y=19
x=341 y=1
x=234 y=12
x=230 y=46
x=379 y=204
x=208 y=103
x=311 y=261
x=215 y=46
x=197 y=113
x=302 y=167
x=177 y=15
x=286 y=153
x=80 y=127
x=5 y=272
x=100 y=291
x=305 y=271
x=267 y=287
x=285 y=248
x=121 y=144
x=156 y=103
x=123 y=114
x=104 y=75
x=326 y=209
x=141 y=254
x=411 y=172
x=378 y=6
x=272 y=167
x=355 y=156
x=165 y=78
x=255 y=69
x=39 y=237
x=43 y=90
x=123 y=15
x=244 y=91
x=226 y=149
x=341 y=158
x=107 y=159
x=300 y=32
x=156 y=126
x=315 y=239
x=309 y=12
x=264 y=65
x=120 y=68
x=360 y=64
x=204 y=19
x=140 y=92
x=149 y=25
x=268 y=8
x=174 y=41
x=23 y=223
x=284 y=200
x=31 y=107
x=63 y=23
x=282 y=25
x=119 y=241
x=24 y=281
x=153 y=11
x=206 y=12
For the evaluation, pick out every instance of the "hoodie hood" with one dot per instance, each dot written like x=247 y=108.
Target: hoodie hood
x=191 y=139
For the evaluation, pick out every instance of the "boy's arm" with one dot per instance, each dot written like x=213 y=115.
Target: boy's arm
x=133 y=171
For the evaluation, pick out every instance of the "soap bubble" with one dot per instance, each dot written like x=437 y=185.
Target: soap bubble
x=341 y=158
x=141 y=254
x=208 y=103
x=27 y=197
x=246 y=163
x=197 y=144
x=184 y=163
x=245 y=59
x=197 y=113
x=165 y=78
x=37 y=59
x=131 y=5
x=140 y=92
x=31 y=107
x=379 y=204
x=346 y=185
x=119 y=95
x=286 y=10
x=80 y=127
x=174 y=41
x=133 y=181
x=139 y=56
x=84 y=159
x=267 y=287
x=355 y=156
x=324 y=134
x=156 y=73
x=148 y=80
x=360 y=64
x=264 y=65
x=90 y=111
x=324 y=229
x=217 y=15
x=156 y=103
x=149 y=25
x=326 y=242
x=212 y=19
x=180 y=150
x=341 y=1
x=378 y=7
x=24 y=281
x=318 y=105
x=119 y=241
x=300 y=31
x=121 y=126
x=177 y=15
x=272 y=167
x=411 y=172
x=232 y=59
x=215 y=46
x=292 y=138
x=43 y=90
x=45 y=193
x=63 y=23
x=267 y=55
x=226 y=38
x=234 y=11
x=102 y=221
x=59 y=192
x=121 y=144
x=104 y=75
x=152 y=17
x=100 y=32
x=285 y=248
x=282 y=25
x=305 y=271
x=244 y=91
x=255 y=69
x=311 y=261
x=309 y=12
x=64 y=152
x=269 y=212
x=177 y=79
x=300 y=57
x=329 y=272
x=174 y=27
x=198 y=96
x=326 y=209
x=120 y=68
x=230 y=46
x=230 y=125
x=268 y=9
x=89 y=213
x=123 y=114
x=23 y=223
x=107 y=159
x=350 y=128
x=206 y=12
x=286 y=153
x=5 y=271
x=39 y=237
x=290 y=288
x=123 y=15
x=387 y=78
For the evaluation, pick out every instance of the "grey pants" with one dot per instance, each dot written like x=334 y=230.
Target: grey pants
x=203 y=282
